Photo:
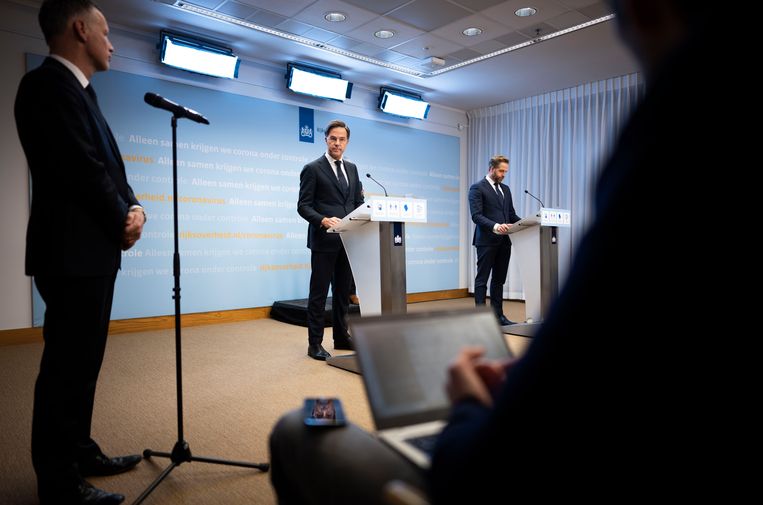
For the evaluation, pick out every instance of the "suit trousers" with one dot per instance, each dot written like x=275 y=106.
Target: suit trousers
x=333 y=268
x=492 y=260
x=77 y=313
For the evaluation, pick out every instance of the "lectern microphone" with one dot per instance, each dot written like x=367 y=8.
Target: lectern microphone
x=541 y=203
x=377 y=182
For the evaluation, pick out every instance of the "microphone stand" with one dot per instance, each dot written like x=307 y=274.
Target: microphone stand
x=181 y=452
x=553 y=228
x=377 y=182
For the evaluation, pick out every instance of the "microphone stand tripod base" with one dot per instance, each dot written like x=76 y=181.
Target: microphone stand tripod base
x=181 y=453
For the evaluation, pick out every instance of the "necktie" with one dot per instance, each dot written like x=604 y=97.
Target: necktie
x=340 y=176
x=498 y=190
x=91 y=91
x=109 y=136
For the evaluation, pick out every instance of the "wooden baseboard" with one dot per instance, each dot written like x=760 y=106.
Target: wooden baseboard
x=20 y=336
x=196 y=319
x=430 y=296
x=31 y=335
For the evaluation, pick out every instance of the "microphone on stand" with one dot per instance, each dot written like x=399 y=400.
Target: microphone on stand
x=377 y=182
x=553 y=228
x=541 y=202
x=178 y=110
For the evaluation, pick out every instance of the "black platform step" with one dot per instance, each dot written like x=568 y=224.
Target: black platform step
x=295 y=312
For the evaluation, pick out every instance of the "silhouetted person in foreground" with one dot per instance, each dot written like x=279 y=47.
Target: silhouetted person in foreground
x=615 y=395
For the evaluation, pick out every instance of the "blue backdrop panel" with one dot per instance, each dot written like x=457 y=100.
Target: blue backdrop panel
x=242 y=243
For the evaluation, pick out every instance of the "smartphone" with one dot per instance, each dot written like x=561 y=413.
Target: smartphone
x=323 y=412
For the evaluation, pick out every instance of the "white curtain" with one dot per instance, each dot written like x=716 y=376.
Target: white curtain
x=556 y=143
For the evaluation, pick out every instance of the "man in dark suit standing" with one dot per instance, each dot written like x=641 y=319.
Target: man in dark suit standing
x=493 y=214
x=329 y=189
x=83 y=214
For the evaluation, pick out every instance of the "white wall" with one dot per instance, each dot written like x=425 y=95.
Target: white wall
x=19 y=34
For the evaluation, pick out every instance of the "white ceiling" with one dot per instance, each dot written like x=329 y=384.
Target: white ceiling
x=423 y=28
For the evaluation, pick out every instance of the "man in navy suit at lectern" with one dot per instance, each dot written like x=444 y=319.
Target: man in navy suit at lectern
x=493 y=214
x=329 y=189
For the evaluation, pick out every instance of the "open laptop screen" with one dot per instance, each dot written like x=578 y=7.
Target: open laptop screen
x=404 y=360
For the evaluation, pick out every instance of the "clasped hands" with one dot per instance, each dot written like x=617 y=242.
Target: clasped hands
x=133 y=228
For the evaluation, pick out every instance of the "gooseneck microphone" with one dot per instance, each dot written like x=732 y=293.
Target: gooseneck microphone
x=377 y=182
x=541 y=203
x=177 y=110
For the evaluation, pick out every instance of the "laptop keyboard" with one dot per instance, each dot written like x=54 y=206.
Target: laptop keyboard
x=424 y=443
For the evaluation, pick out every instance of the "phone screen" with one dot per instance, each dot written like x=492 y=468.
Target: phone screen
x=323 y=412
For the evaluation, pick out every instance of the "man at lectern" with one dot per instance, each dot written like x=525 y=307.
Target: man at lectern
x=493 y=214
x=329 y=189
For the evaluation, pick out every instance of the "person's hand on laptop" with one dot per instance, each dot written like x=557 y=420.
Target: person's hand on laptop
x=471 y=376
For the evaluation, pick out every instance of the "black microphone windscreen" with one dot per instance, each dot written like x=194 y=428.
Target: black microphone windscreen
x=151 y=98
x=368 y=175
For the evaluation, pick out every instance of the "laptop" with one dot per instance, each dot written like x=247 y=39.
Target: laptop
x=404 y=359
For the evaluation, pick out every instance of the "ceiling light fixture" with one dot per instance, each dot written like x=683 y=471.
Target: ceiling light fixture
x=402 y=103
x=219 y=16
x=415 y=72
x=384 y=34
x=521 y=45
x=335 y=17
x=316 y=81
x=199 y=56
x=526 y=11
x=472 y=32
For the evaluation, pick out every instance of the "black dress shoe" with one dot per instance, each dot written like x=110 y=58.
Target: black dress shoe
x=503 y=321
x=103 y=465
x=316 y=351
x=343 y=344
x=83 y=493
x=91 y=495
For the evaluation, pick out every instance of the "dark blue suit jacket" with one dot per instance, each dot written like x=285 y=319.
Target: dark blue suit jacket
x=486 y=209
x=80 y=194
x=320 y=196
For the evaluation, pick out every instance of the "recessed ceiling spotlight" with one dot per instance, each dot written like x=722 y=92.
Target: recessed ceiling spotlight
x=334 y=17
x=384 y=34
x=526 y=11
x=472 y=32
